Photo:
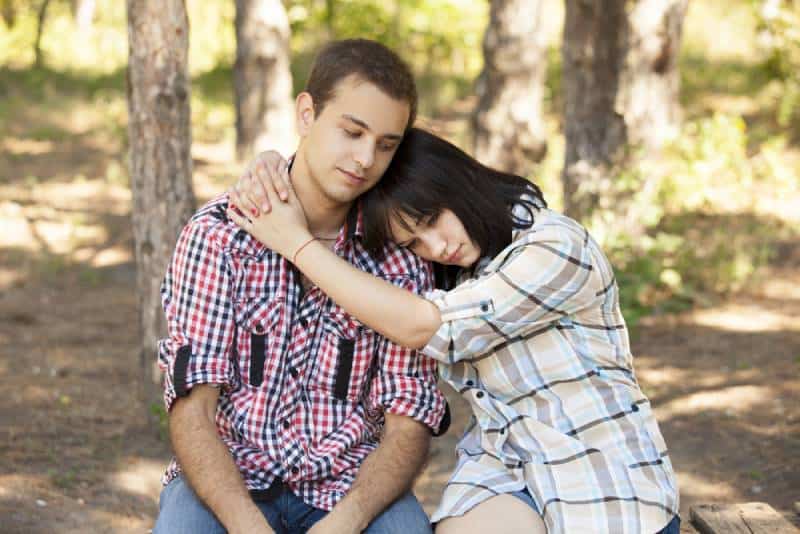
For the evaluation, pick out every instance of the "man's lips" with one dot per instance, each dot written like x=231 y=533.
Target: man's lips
x=353 y=177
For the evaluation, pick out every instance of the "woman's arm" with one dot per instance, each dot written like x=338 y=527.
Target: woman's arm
x=399 y=315
x=542 y=283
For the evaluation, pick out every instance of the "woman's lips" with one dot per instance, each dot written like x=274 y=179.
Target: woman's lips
x=452 y=258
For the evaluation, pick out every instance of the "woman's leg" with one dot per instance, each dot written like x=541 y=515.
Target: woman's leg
x=504 y=514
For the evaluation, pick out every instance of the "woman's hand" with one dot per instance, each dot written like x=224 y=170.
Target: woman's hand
x=283 y=227
x=268 y=172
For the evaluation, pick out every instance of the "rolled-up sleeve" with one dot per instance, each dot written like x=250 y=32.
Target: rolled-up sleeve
x=196 y=296
x=406 y=381
x=541 y=280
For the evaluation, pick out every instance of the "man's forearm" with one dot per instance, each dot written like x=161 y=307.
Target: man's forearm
x=386 y=474
x=210 y=470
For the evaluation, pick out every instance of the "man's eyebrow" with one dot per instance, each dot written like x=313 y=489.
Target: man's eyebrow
x=359 y=122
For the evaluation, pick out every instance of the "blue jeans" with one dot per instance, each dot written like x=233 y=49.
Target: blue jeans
x=182 y=512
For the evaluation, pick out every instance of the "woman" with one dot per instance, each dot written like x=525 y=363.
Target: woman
x=526 y=326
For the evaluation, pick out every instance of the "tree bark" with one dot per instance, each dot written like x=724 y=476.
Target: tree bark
x=84 y=13
x=160 y=158
x=8 y=12
x=262 y=78
x=508 y=125
x=41 y=17
x=621 y=85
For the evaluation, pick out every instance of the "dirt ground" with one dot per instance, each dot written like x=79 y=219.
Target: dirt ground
x=724 y=380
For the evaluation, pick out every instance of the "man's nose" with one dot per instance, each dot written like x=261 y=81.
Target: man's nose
x=365 y=154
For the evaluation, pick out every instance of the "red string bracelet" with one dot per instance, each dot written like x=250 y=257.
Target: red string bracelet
x=294 y=258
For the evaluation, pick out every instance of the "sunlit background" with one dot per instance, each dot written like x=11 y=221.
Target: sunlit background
x=710 y=289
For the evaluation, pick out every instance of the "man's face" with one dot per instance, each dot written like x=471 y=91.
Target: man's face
x=348 y=146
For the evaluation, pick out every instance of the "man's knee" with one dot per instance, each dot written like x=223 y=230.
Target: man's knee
x=404 y=516
x=181 y=511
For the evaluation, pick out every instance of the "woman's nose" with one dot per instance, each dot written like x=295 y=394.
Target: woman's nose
x=436 y=244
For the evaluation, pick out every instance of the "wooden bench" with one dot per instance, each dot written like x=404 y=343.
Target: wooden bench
x=747 y=518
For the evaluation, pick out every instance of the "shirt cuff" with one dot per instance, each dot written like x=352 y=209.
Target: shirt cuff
x=182 y=372
x=439 y=345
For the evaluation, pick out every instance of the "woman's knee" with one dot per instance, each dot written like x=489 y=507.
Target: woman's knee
x=503 y=514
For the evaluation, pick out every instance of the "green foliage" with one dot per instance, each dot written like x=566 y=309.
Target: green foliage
x=159 y=413
x=779 y=37
x=707 y=217
x=708 y=225
x=445 y=57
x=64 y=480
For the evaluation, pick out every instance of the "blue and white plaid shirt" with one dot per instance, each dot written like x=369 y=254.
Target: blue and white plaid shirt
x=536 y=344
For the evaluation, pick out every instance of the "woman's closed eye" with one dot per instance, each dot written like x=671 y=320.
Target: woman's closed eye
x=424 y=221
x=409 y=244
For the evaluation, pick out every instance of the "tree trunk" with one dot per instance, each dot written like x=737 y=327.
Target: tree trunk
x=84 y=13
x=9 y=13
x=621 y=84
x=262 y=79
x=509 y=131
x=160 y=158
x=41 y=17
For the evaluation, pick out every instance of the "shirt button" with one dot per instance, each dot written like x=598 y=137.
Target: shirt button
x=502 y=431
x=484 y=307
x=294 y=372
x=635 y=407
x=286 y=424
x=479 y=394
x=470 y=383
x=259 y=329
x=295 y=470
x=303 y=323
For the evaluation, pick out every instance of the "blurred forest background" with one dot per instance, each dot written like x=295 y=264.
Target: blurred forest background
x=689 y=177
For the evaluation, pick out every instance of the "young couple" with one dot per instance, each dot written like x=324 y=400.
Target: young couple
x=300 y=367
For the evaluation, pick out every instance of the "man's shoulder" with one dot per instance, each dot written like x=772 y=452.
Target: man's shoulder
x=395 y=261
x=212 y=223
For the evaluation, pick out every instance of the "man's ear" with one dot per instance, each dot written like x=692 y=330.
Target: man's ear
x=304 y=110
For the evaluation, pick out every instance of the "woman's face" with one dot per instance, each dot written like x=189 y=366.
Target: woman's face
x=441 y=238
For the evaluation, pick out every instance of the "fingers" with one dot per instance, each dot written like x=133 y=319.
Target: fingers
x=241 y=222
x=257 y=188
x=253 y=192
x=272 y=180
x=240 y=196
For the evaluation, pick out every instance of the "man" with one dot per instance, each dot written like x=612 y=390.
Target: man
x=286 y=414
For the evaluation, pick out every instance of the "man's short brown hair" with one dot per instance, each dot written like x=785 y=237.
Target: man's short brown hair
x=371 y=62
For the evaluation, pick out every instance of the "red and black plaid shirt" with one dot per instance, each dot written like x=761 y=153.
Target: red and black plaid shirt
x=304 y=384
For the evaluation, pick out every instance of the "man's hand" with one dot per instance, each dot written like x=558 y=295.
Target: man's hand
x=385 y=475
x=268 y=173
x=334 y=523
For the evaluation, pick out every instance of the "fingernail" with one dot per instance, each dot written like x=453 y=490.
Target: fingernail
x=283 y=196
x=264 y=207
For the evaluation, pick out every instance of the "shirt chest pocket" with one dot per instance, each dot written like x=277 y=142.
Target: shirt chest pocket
x=258 y=338
x=344 y=357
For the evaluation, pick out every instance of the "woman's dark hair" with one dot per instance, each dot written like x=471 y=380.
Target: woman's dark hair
x=429 y=174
